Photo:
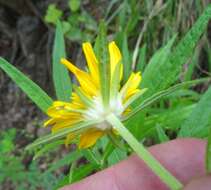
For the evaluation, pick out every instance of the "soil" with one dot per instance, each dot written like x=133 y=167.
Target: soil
x=26 y=42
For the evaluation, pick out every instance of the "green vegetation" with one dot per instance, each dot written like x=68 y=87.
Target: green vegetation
x=162 y=39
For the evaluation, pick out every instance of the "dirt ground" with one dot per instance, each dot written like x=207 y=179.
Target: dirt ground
x=26 y=42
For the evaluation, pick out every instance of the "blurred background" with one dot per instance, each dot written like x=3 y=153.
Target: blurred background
x=27 y=30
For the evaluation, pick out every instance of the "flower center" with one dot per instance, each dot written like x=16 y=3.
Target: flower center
x=98 y=111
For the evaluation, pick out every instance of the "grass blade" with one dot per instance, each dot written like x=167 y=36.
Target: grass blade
x=68 y=159
x=126 y=59
x=142 y=58
x=47 y=148
x=32 y=90
x=196 y=125
x=152 y=73
x=168 y=71
x=157 y=96
x=60 y=134
x=83 y=171
x=61 y=79
x=161 y=134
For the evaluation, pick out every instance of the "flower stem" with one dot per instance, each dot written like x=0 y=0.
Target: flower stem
x=72 y=167
x=144 y=154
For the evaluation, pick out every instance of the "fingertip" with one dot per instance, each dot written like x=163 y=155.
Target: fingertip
x=184 y=158
x=202 y=183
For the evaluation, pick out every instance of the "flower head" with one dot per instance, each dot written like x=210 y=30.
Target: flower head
x=86 y=102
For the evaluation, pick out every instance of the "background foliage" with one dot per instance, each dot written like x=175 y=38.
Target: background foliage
x=154 y=37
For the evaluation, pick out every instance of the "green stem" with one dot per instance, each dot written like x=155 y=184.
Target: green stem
x=72 y=167
x=92 y=157
x=142 y=152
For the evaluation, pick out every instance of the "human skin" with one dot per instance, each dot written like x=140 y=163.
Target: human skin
x=184 y=158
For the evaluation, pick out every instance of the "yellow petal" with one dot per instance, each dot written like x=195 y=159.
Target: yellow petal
x=58 y=112
x=76 y=102
x=84 y=78
x=115 y=57
x=55 y=120
x=91 y=61
x=61 y=104
x=70 y=137
x=89 y=138
x=64 y=124
x=130 y=93
x=131 y=86
x=68 y=107
x=126 y=111
x=134 y=83
x=49 y=122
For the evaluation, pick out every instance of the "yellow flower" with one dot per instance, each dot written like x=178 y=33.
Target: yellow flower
x=66 y=114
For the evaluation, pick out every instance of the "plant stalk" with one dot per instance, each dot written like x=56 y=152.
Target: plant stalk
x=144 y=154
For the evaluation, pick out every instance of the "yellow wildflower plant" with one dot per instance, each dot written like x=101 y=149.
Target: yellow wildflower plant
x=86 y=102
x=99 y=105
x=101 y=102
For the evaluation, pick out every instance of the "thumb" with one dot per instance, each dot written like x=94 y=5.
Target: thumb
x=202 y=183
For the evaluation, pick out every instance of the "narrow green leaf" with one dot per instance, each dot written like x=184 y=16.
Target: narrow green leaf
x=196 y=125
x=61 y=79
x=107 y=151
x=208 y=50
x=185 y=48
x=48 y=148
x=152 y=74
x=168 y=71
x=116 y=141
x=97 y=46
x=116 y=156
x=66 y=160
x=208 y=153
x=193 y=62
x=157 y=96
x=169 y=119
x=126 y=59
x=109 y=7
x=104 y=63
x=61 y=183
x=116 y=11
x=90 y=156
x=32 y=90
x=71 y=172
x=83 y=171
x=141 y=59
x=161 y=134
x=77 y=174
x=61 y=134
